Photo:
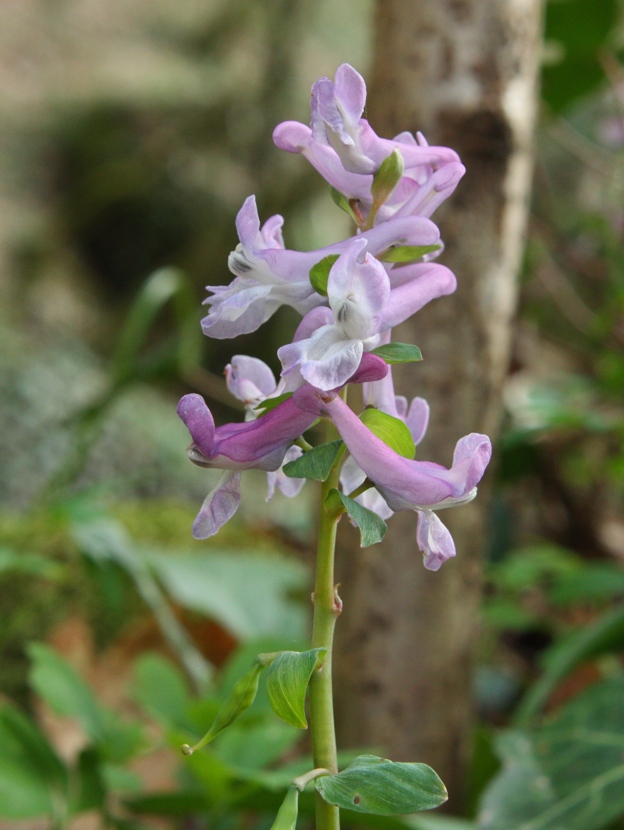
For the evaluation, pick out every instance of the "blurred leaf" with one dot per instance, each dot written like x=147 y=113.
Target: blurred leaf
x=66 y=693
x=382 y=787
x=91 y=789
x=286 y=818
x=392 y=431
x=372 y=527
x=251 y=744
x=588 y=583
x=606 y=633
x=287 y=683
x=315 y=464
x=528 y=567
x=503 y=613
x=245 y=592
x=568 y=774
x=582 y=31
x=160 y=689
x=32 y=777
x=31 y=563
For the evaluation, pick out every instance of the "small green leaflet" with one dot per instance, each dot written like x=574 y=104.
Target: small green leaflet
x=270 y=403
x=343 y=203
x=383 y=788
x=319 y=273
x=398 y=353
x=372 y=527
x=286 y=817
x=240 y=698
x=391 y=431
x=387 y=177
x=287 y=682
x=316 y=463
x=408 y=253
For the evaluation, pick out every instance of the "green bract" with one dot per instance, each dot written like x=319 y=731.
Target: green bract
x=287 y=683
x=316 y=463
x=408 y=253
x=372 y=527
x=319 y=273
x=387 y=177
x=240 y=698
x=390 y=430
x=399 y=353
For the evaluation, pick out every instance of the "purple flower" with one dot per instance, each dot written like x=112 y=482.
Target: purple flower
x=407 y=484
x=259 y=444
x=267 y=275
x=346 y=151
x=362 y=307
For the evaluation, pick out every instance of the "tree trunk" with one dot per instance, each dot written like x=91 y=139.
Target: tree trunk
x=464 y=72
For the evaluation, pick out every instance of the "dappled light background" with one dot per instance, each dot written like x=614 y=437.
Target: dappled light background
x=130 y=134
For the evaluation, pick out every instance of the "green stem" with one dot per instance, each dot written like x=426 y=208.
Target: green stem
x=327 y=607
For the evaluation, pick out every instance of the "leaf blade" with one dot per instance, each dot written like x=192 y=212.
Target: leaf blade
x=287 y=682
x=381 y=787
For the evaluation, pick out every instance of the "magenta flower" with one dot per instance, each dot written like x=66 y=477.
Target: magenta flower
x=407 y=484
x=346 y=151
x=267 y=275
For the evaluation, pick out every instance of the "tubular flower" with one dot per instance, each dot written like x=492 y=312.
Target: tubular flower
x=267 y=275
x=362 y=306
x=407 y=484
x=346 y=151
x=259 y=444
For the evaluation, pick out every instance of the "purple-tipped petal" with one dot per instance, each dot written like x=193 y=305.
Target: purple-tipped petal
x=192 y=409
x=434 y=540
x=219 y=506
x=405 y=484
x=358 y=292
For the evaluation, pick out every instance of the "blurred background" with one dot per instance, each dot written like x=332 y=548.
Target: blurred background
x=130 y=134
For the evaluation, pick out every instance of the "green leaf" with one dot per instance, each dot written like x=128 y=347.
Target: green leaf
x=211 y=584
x=31 y=563
x=606 y=633
x=319 y=273
x=286 y=818
x=387 y=177
x=161 y=690
x=32 y=777
x=568 y=774
x=238 y=701
x=316 y=463
x=56 y=683
x=398 y=353
x=381 y=787
x=287 y=682
x=581 y=31
x=343 y=203
x=408 y=253
x=372 y=527
x=271 y=403
x=90 y=791
x=392 y=431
